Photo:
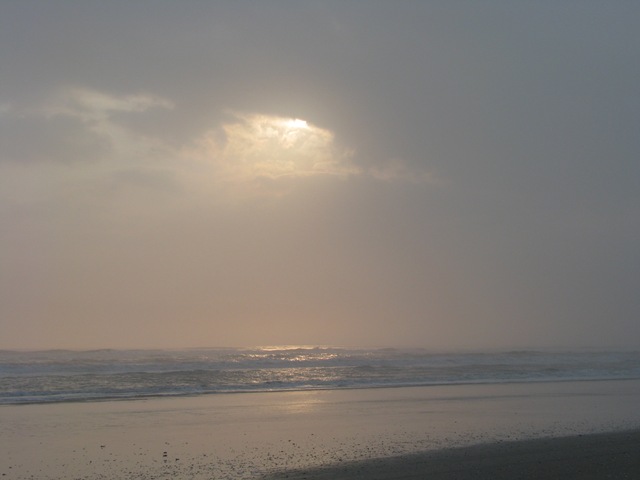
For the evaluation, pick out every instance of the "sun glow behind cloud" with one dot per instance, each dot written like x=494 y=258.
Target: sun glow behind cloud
x=257 y=147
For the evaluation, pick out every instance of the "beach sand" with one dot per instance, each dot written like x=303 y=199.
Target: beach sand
x=585 y=457
x=371 y=433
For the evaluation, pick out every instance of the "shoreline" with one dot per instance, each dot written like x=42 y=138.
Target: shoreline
x=177 y=396
x=592 y=456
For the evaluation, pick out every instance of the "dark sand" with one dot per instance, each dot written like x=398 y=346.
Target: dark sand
x=584 y=457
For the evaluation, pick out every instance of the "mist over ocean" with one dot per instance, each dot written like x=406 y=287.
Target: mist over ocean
x=65 y=375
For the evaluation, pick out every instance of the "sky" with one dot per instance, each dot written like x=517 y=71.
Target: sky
x=437 y=174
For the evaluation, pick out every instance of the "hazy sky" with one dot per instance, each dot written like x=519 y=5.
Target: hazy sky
x=438 y=174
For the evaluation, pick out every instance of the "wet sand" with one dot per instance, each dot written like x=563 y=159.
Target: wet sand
x=585 y=457
x=417 y=432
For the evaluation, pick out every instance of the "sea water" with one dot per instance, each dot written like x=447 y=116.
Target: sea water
x=65 y=375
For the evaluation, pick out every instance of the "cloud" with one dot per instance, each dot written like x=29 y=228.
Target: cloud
x=96 y=105
x=76 y=125
x=99 y=111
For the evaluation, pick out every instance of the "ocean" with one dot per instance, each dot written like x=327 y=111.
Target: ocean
x=71 y=376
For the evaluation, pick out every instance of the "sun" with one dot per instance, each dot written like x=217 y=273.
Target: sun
x=296 y=123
